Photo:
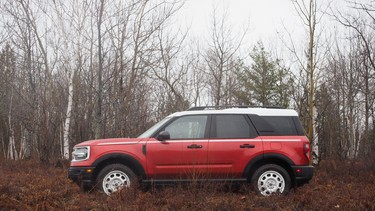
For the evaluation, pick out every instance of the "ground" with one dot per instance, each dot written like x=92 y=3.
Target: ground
x=30 y=185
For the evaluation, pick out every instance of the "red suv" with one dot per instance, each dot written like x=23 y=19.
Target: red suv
x=263 y=146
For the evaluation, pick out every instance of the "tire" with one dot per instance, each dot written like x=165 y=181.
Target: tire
x=270 y=179
x=114 y=177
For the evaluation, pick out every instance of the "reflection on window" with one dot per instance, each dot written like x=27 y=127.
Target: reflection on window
x=232 y=126
x=188 y=127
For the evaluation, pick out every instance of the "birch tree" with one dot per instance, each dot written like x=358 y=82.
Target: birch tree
x=308 y=12
x=71 y=20
x=359 y=20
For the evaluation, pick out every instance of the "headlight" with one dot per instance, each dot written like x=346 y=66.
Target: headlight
x=81 y=153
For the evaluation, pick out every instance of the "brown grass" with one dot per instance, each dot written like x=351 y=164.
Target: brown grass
x=29 y=185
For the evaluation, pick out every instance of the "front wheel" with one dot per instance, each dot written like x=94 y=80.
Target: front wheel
x=270 y=179
x=114 y=177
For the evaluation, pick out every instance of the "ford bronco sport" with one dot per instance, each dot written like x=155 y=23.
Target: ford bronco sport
x=263 y=146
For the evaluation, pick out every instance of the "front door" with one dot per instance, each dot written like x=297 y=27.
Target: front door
x=184 y=155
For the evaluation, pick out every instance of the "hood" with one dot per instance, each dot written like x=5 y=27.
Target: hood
x=110 y=141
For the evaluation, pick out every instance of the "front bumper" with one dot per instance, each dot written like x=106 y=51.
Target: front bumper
x=83 y=176
x=303 y=174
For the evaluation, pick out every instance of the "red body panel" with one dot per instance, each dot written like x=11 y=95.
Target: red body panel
x=289 y=146
x=100 y=148
x=227 y=159
x=214 y=158
x=173 y=159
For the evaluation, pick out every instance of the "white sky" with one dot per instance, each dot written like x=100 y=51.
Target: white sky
x=268 y=20
x=264 y=17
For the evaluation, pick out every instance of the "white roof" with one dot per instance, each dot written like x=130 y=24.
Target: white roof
x=257 y=111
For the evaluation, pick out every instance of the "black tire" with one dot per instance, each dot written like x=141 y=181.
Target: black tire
x=114 y=177
x=269 y=179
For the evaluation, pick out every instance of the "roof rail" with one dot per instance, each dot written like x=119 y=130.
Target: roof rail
x=200 y=108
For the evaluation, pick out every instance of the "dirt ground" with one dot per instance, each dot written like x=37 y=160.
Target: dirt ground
x=336 y=185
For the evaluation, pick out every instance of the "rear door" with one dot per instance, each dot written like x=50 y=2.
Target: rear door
x=233 y=142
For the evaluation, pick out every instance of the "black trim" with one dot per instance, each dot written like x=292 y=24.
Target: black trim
x=166 y=181
x=144 y=149
x=264 y=157
x=80 y=175
x=305 y=173
x=200 y=108
x=209 y=125
x=280 y=157
x=129 y=161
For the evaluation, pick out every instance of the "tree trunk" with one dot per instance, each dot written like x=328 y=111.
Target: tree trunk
x=98 y=109
x=66 y=153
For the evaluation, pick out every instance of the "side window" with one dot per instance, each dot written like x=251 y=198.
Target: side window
x=282 y=125
x=276 y=125
x=187 y=127
x=233 y=126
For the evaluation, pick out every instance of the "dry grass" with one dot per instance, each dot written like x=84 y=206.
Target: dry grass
x=29 y=185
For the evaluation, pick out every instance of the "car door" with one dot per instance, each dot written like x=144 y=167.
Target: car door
x=182 y=156
x=233 y=142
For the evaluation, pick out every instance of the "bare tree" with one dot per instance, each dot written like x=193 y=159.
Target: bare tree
x=70 y=54
x=360 y=21
x=171 y=73
x=308 y=11
x=221 y=58
x=98 y=106
x=21 y=31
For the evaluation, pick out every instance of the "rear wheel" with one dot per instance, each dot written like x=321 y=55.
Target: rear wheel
x=115 y=177
x=269 y=179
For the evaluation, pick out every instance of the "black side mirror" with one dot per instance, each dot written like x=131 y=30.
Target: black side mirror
x=163 y=135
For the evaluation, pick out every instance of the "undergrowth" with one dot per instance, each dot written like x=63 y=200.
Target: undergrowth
x=30 y=185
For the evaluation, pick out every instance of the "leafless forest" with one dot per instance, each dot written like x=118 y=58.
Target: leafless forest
x=76 y=70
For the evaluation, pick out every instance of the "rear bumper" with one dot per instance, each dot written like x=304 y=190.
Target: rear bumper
x=83 y=176
x=303 y=174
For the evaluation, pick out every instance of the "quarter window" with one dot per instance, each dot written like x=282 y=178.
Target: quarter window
x=282 y=125
x=277 y=125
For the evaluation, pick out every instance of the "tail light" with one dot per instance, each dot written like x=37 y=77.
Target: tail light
x=306 y=150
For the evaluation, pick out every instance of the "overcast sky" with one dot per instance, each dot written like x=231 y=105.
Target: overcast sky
x=268 y=20
x=264 y=17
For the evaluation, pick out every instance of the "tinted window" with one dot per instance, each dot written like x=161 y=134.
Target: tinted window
x=298 y=125
x=187 y=127
x=233 y=126
x=275 y=125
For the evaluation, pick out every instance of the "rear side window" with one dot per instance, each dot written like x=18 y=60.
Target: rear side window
x=277 y=125
x=232 y=126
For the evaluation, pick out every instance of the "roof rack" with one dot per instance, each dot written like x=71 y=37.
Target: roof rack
x=200 y=108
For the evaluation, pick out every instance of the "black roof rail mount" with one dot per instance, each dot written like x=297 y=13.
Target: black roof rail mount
x=200 y=108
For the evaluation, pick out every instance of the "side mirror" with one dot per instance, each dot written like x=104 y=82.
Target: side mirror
x=163 y=135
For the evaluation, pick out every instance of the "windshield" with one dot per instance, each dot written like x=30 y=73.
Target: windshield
x=154 y=128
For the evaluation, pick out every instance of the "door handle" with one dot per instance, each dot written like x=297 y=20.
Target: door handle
x=194 y=146
x=247 y=146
